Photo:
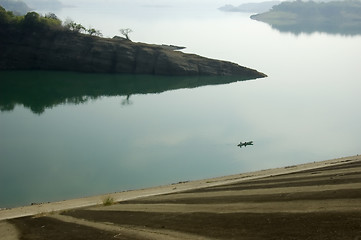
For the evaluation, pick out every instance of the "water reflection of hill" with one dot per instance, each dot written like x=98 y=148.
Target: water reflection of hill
x=325 y=27
x=39 y=90
x=341 y=17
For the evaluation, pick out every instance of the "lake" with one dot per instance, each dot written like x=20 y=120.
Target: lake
x=65 y=135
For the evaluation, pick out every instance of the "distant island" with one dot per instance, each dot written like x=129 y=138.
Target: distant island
x=259 y=7
x=34 y=42
x=339 y=17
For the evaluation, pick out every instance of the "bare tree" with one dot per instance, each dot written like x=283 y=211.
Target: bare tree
x=125 y=32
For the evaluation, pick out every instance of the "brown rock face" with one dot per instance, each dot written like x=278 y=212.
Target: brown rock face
x=68 y=51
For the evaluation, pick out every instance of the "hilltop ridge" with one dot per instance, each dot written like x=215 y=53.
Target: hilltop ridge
x=33 y=42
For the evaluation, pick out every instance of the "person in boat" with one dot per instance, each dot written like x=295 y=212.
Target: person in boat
x=241 y=144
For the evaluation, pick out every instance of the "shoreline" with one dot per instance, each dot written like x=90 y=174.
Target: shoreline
x=51 y=207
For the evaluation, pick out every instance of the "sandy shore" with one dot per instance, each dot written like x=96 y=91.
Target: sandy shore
x=307 y=201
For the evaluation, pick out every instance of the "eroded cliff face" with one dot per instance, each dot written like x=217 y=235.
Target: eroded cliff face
x=68 y=51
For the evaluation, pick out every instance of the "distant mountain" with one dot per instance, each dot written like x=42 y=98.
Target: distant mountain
x=21 y=7
x=339 y=17
x=44 y=4
x=250 y=7
x=17 y=7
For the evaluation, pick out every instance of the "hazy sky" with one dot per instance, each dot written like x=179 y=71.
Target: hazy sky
x=163 y=1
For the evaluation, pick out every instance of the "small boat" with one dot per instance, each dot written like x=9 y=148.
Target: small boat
x=241 y=144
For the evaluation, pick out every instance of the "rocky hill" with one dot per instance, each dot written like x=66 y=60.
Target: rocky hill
x=26 y=46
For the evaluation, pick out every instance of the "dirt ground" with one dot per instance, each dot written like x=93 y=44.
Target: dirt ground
x=314 y=203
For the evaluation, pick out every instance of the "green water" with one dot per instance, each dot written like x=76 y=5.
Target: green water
x=67 y=135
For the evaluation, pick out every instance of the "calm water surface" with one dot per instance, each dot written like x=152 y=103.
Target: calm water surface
x=72 y=144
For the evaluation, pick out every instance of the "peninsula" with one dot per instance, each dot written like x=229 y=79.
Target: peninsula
x=34 y=42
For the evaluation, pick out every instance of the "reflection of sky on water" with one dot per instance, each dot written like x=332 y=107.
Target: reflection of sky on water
x=306 y=110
